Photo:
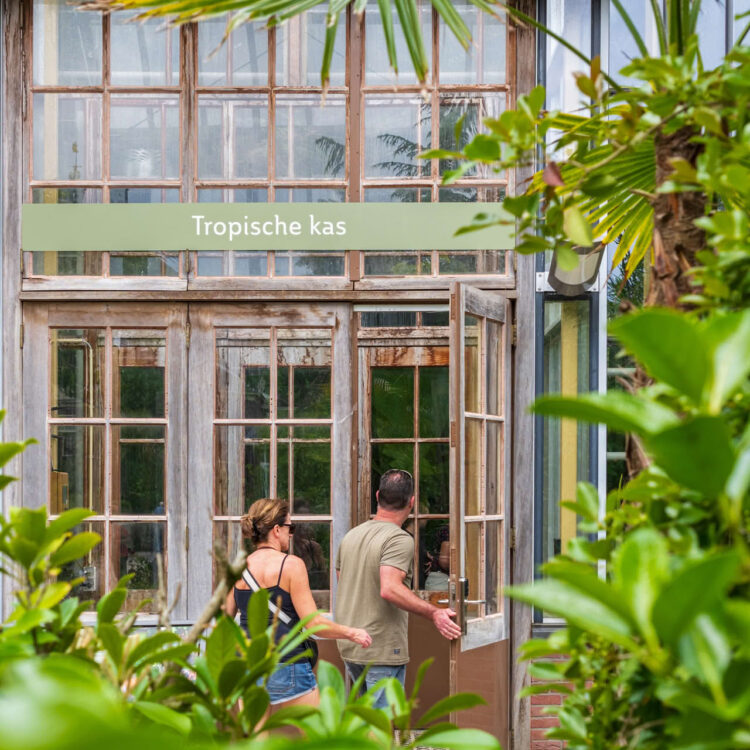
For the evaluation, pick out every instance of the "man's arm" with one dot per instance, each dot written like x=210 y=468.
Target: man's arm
x=394 y=590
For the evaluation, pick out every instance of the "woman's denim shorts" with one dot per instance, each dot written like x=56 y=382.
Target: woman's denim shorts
x=290 y=681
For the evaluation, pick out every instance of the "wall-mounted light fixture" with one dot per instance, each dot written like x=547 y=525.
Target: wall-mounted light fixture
x=582 y=277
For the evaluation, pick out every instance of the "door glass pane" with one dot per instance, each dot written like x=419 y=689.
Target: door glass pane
x=240 y=61
x=493 y=567
x=473 y=466
x=472 y=360
x=67 y=45
x=433 y=402
x=494 y=368
x=310 y=139
x=434 y=554
x=77 y=467
x=243 y=364
x=67 y=137
x=392 y=402
x=145 y=136
x=90 y=567
x=310 y=477
x=386 y=456
x=304 y=374
x=138 y=451
x=144 y=53
x=312 y=542
x=494 y=468
x=77 y=372
x=134 y=549
x=138 y=359
x=242 y=468
x=473 y=560
x=434 y=480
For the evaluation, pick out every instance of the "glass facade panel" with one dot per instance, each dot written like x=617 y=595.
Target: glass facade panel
x=241 y=61
x=138 y=371
x=78 y=373
x=76 y=467
x=143 y=53
x=139 y=452
x=134 y=549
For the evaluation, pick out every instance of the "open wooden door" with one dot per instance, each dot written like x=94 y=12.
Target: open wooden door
x=480 y=501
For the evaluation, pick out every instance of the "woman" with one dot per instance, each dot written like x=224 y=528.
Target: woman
x=267 y=524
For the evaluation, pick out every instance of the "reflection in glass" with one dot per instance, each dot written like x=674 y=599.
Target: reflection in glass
x=302 y=263
x=398 y=195
x=310 y=195
x=378 y=71
x=473 y=466
x=144 y=195
x=139 y=452
x=472 y=364
x=434 y=480
x=386 y=456
x=242 y=467
x=310 y=139
x=434 y=554
x=67 y=137
x=402 y=263
x=299 y=50
x=138 y=360
x=494 y=362
x=392 y=402
x=387 y=319
x=77 y=372
x=242 y=353
x=90 y=567
x=144 y=264
x=134 y=550
x=494 y=468
x=233 y=136
x=312 y=392
x=312 y=542
x=67 y=45
x=493 y=567
x=304 y=374
x=143 y=53
x=232 y=264
x=471 y=262
x=145 y=136
x=240 y=61
x=77 y=463
x=473 y=570
x=397 y=128
x=433 y=402
x=305 y=464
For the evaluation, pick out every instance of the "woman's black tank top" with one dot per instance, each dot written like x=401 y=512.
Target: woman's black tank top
x=282 y=599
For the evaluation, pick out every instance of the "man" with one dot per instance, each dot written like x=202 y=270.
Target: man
x=374 y=566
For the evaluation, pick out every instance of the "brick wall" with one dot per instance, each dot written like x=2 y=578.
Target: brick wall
x=541 y=722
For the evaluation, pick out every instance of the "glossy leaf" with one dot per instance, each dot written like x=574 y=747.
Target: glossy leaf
x=221 y=646
x=165 y=716
x=75 y=548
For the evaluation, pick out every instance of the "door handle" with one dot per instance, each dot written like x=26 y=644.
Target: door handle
x=475 y=601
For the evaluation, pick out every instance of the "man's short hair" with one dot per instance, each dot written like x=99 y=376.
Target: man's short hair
x=396 y=489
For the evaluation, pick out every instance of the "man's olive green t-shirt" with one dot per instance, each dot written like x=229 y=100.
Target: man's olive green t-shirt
x=358 y=602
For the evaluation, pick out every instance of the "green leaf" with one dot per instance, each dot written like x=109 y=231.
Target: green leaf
x=112 y=640
x=577 y=229
x=464 y=739
x=483 y=148
x=697 y=454
x=256 y=703
x=620 y=411
x=373 y=716
x=567 y=258
x=670 y=347
x=109 y=605
x=457 y=702
x=65 y=522
x=11 y=449
x=229 y=678
x=695 y=589
x=165 y=716
x=150 y=645
x=221 y=646
x=536 y=99
x=75 y=548
x=728 y=338
x=330 y=677
x=423 y=667
x=257 y=613
x=287 y=716
x=177 y=654
x=53 y=594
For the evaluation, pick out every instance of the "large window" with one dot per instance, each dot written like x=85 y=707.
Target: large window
x=129 y=112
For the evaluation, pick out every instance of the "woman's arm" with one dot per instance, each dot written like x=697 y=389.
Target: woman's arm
x=230 y=605
x=304 y=604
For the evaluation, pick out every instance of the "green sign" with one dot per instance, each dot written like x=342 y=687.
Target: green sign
x=260 y=226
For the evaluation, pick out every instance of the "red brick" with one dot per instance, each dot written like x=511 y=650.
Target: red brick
x=538 y=734
x=539 y=711
x=546 y=745
x=546 y=699
x=546 y=722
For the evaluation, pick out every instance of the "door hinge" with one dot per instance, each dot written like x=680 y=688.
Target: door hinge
x=513 y=538
x=453 y=305
x=20 y=336
x=514 y=334
x=511 y=739
x=187 y=538
x=187 y=263
x=187 y=335
x=453 y=434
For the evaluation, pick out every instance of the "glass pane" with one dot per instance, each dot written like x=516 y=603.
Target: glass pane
x=139 y=453
x=739 y=25
x=472 y=364
x=494 y=362
x=138 y=362
x=311 y=471
x=67 y=45
x=392 y=402
x=310 y=139
x=55 y=263
x=137 y=264
x=473 y=571
x=483 y=193
x=386 y=456
x=90 y=567
x=310 y=195
x=233 y=136
x=77 y=372
x=312 y=542
x=434 y=554
x=493 y=567
x=484 y=61
x=433 y=402
x=304 y=373
x=310 y=264
x=398 y=195
x=397 y=128
x=403 y=263
x=232 y=195
x=494 y=468
x=144 y=195
x=437 y=319
x=67 y=136
x=471 y=262
x=228 y=537
x=470 y=110
x=242 y=467
x=378 y=71
x=710 y=30
x=241 y=61
x=243 y=364
x=299 y=50
x=387 y=319
x=434 y=480
x=473 y=466
x=67 y=195
x=77 y=467
x=134 y=549
x=144 y=53
x=145 y=136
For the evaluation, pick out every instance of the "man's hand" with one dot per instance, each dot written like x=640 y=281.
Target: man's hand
x=441 y=618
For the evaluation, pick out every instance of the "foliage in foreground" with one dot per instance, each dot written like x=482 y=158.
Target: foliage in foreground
x=66 y=684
